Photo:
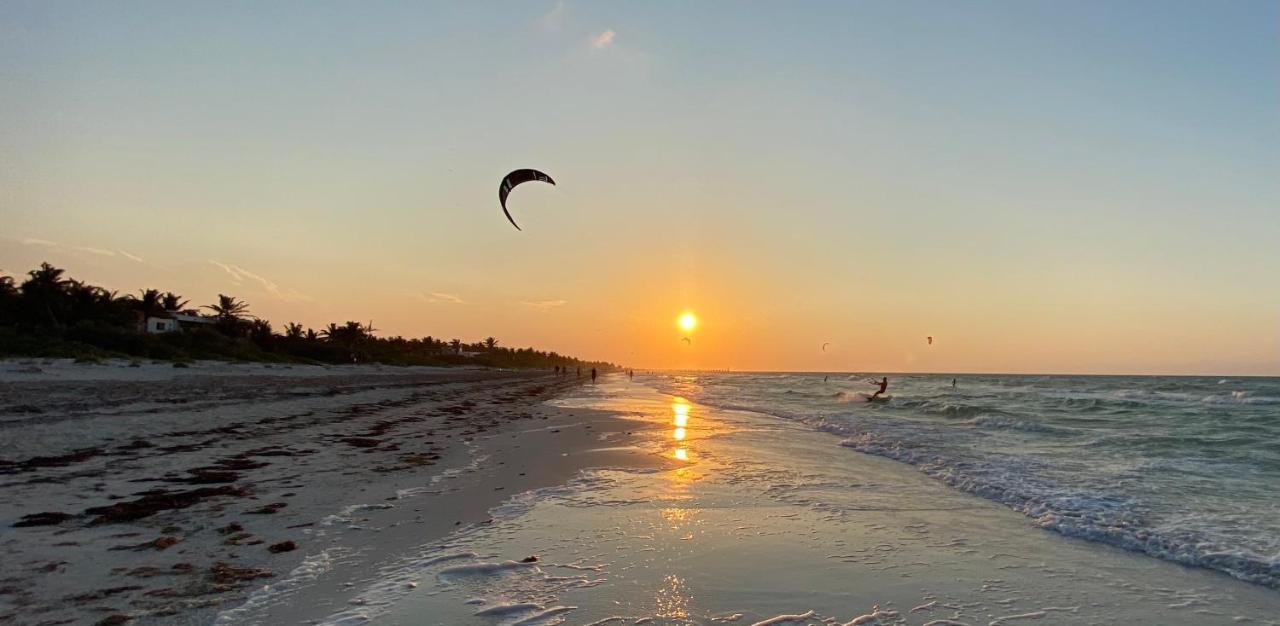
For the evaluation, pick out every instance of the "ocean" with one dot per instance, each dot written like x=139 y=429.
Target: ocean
x=786 y=499
x=1185 y=469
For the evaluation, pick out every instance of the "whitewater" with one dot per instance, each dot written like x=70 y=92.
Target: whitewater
x=1180 y=468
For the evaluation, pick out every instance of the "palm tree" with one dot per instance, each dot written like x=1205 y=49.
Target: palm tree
x=87 y=302
x=490 y=343
x=149 y=302
x=8 y=300
x=260 y=333
x=44 y=293
x=229 y=312
x=356 y=330
x=347 y=335
x=293 y=330
x=172 y=301
x=456 y=344
x=44 y=277
x=228 y=308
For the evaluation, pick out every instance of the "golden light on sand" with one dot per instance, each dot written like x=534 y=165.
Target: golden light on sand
x=687 y=322
x=680 y=417
x=680 y=407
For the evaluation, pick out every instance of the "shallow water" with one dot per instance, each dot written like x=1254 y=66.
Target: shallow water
x=769 y=518
x=1180 y=468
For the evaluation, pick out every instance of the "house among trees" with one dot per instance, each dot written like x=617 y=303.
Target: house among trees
x=174 y=321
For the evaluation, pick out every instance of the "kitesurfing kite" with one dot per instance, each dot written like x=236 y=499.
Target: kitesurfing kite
x=510 y=181
x=824 y=346
x=930 y=338
x=687 y=341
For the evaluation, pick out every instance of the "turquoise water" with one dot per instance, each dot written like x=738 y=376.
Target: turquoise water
x=1180 y=468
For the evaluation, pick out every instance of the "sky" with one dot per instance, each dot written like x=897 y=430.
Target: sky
x=1052 y=187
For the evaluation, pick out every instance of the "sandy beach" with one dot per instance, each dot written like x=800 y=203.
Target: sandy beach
x=242 y=494
x=162 y=495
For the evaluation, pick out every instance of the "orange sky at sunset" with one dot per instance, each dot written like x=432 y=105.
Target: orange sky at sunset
x=1033 y=205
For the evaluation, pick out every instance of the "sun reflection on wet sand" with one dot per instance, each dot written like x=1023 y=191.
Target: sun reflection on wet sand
x=672 y=599
x=680 y=417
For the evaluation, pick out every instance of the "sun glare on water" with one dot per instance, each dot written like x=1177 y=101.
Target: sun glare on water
x=687 y=322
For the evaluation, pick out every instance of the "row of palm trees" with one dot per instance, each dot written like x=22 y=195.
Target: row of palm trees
x=49 y=304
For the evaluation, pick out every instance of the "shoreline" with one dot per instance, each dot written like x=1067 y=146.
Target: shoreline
x=421 y=493
x=771 y=519
x=149 y=494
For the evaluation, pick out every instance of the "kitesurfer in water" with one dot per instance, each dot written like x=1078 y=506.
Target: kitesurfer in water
x=593 y=375
x=884 y=384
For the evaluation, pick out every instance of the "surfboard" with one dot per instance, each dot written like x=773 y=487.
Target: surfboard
x=879 y=398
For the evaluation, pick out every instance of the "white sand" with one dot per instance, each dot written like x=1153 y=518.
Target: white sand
x=345 y=462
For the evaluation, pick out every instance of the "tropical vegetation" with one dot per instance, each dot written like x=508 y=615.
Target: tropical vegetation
x=52 y=315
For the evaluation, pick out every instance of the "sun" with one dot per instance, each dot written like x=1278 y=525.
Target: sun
x=687 y=322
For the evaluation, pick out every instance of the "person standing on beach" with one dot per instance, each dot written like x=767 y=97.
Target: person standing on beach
x=884 y=384
x=593 y=375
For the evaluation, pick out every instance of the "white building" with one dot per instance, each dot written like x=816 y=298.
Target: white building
x=176 y=321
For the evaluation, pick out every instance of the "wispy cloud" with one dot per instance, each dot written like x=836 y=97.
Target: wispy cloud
x=603 y=40
x=239 y=275
x=545 y=304
x=553 y=20
x=448 y=298
x=101 y=251
x=32 y=241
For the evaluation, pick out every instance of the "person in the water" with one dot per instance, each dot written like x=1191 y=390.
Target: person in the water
x=884 y=384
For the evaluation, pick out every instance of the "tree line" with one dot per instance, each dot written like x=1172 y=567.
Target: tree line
x=51 y=315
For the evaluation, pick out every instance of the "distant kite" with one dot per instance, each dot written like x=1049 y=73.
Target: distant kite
x=687 y=341
x=824 y=346
x=930 y=338
x=510 y=181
